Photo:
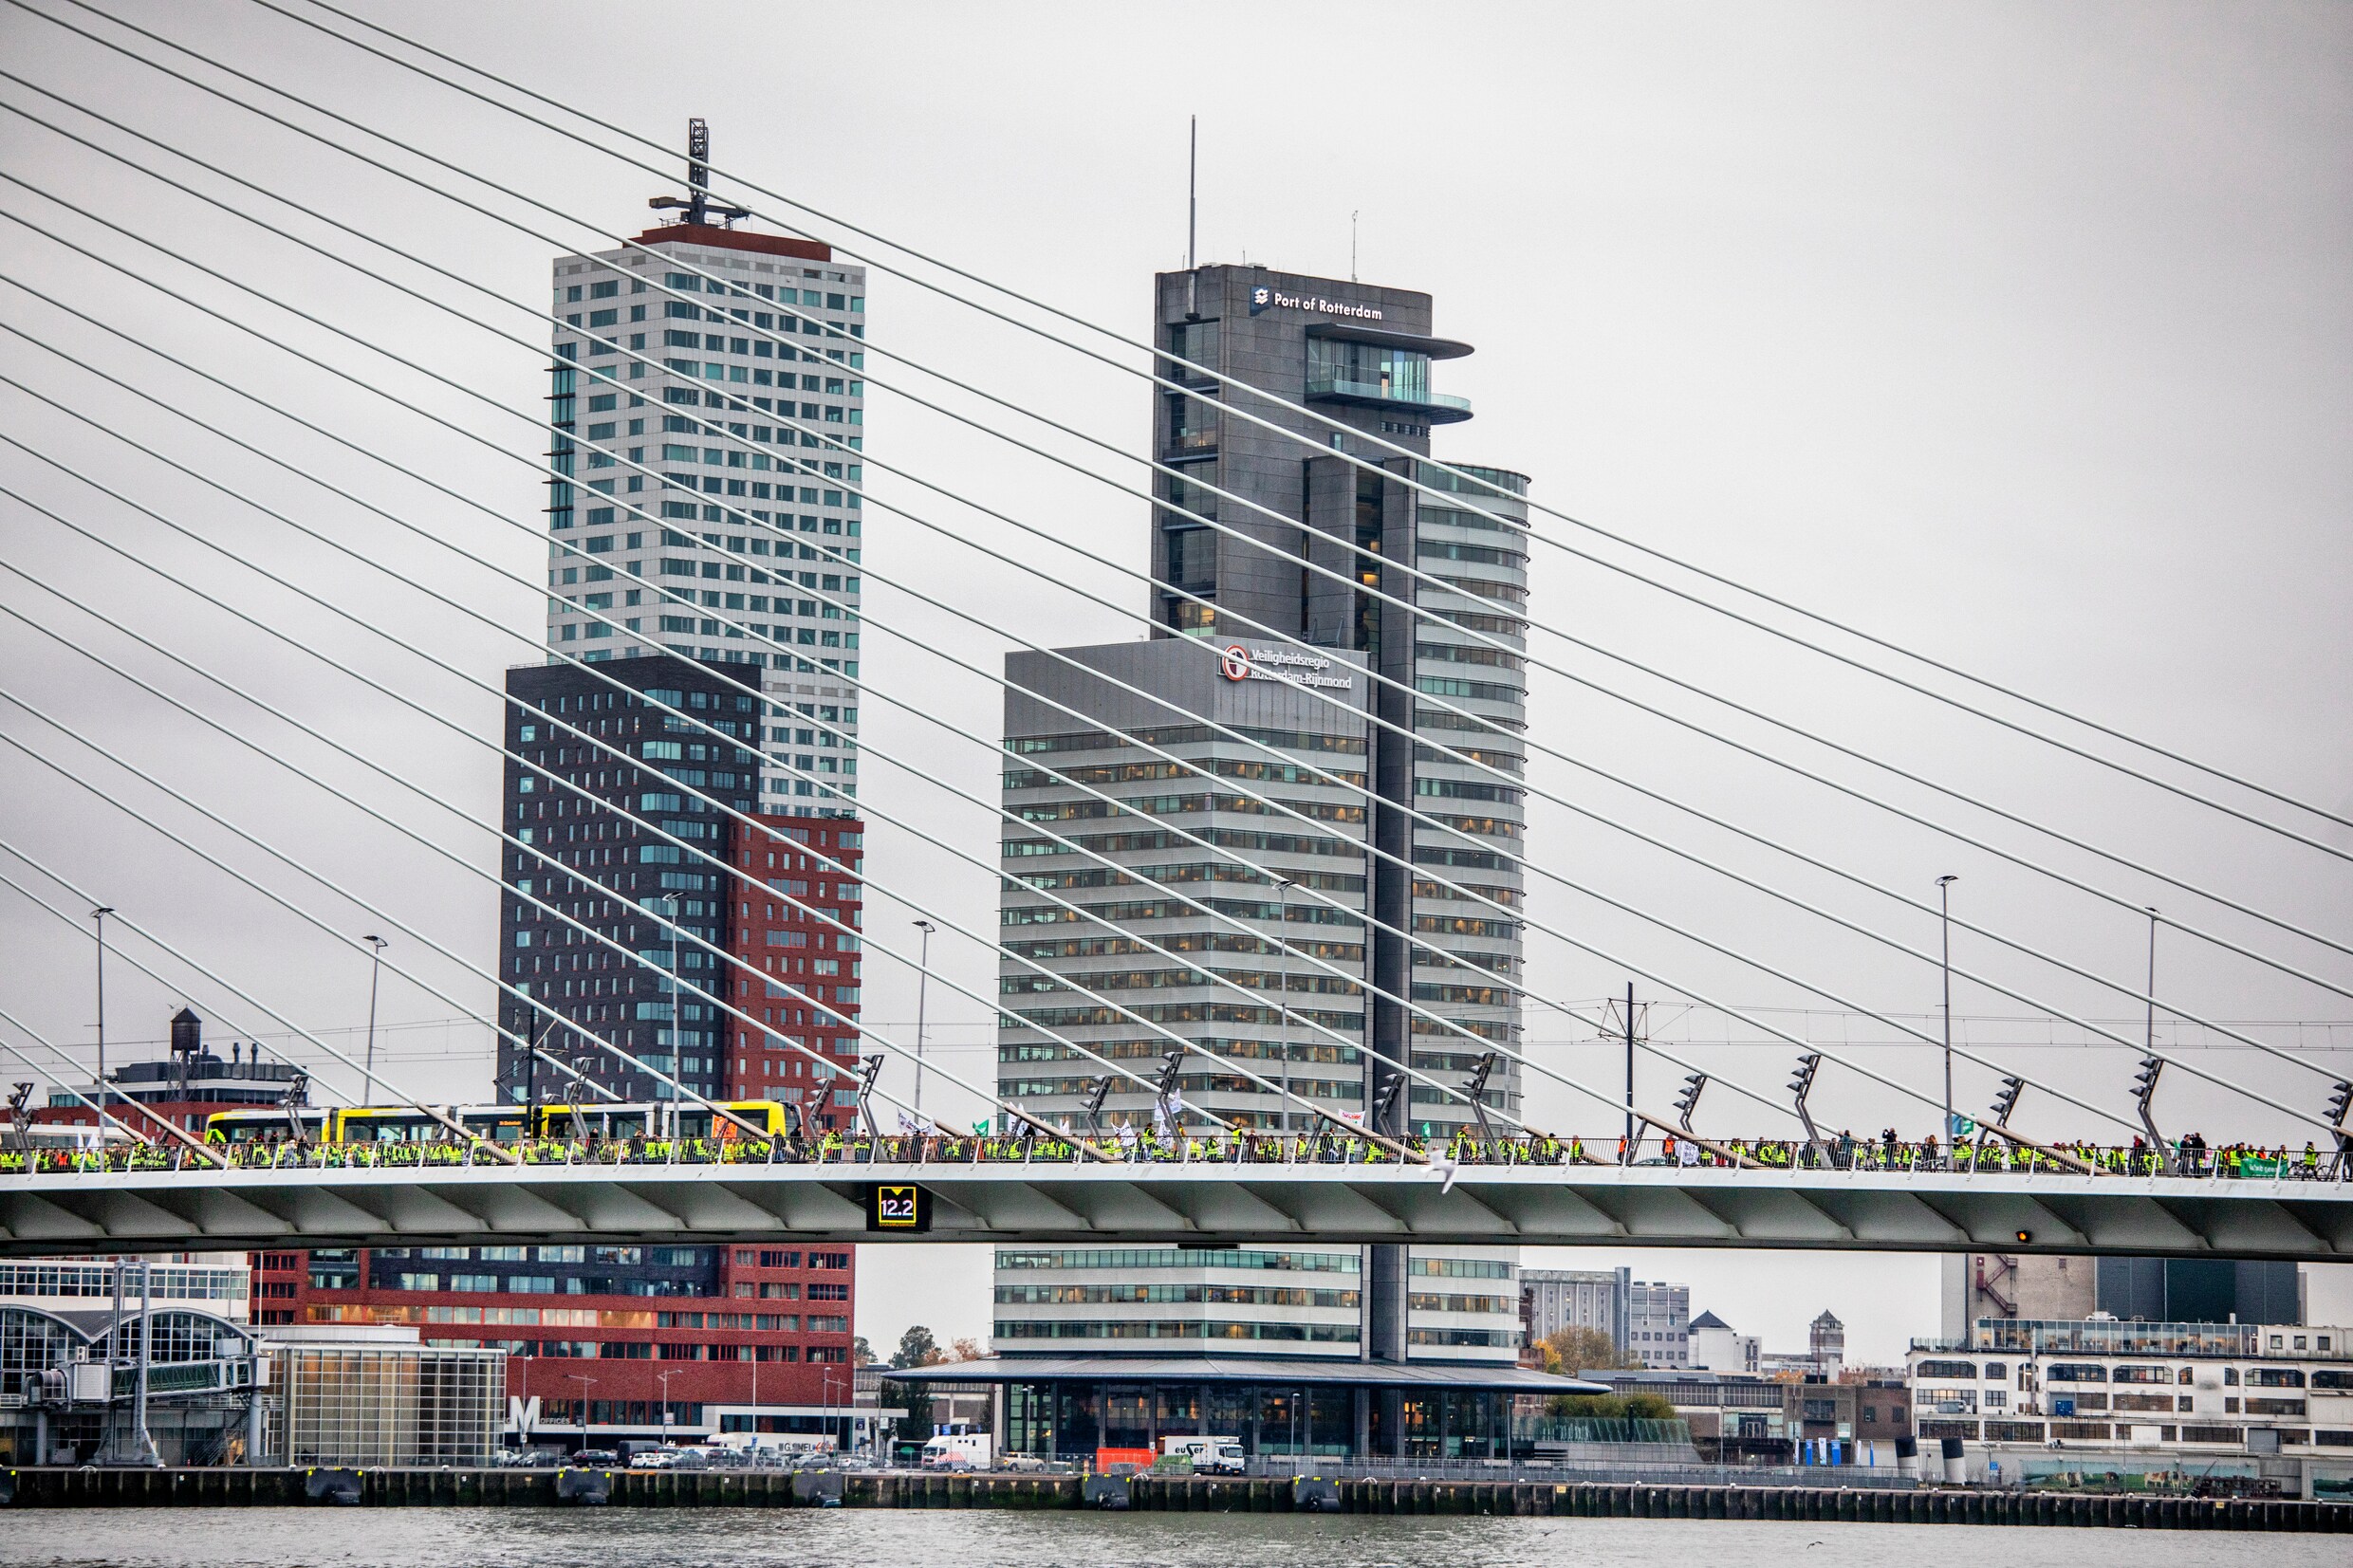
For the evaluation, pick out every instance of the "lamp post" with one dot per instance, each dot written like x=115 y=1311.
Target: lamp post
x=99 y=915
x=376 y=974
x=2152 y=997
x=1944 y=904
x=585 y=1384
x=922 y=996
x=1283 y=975
x=663 y=1378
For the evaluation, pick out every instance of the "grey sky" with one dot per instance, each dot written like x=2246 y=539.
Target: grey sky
x=2019 y=333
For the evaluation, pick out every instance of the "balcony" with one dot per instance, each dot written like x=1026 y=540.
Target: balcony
x=1436 y=407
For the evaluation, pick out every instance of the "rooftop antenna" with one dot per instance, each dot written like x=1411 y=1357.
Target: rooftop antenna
x=1193 y=195
x=1352 y=217
x=696 y=203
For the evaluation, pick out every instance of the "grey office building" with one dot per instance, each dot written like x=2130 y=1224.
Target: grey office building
x=1083 y=714
x=1362 y=355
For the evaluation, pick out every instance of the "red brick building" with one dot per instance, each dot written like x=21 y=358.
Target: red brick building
x=809 y=865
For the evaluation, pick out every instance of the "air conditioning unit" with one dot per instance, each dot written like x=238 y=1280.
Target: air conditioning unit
x=88 y=1382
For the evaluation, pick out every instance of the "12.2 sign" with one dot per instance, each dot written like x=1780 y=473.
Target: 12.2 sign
x=903 y=1208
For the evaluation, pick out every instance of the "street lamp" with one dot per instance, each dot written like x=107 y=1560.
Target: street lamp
x=664 y=1377
x=585 y=1384
x=376 y=974
x=99 y=915
x=1944 y=902
x=2152 y=997
x=1283 y=886
x=923 y=995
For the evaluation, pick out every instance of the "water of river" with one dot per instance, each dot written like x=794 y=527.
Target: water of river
x=726 y=1537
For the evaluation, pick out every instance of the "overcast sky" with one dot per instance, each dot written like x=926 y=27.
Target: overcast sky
x=2016 y=333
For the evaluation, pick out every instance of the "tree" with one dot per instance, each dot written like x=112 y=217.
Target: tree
x=964 y=1349
x=861 y=1354
x=1573 y=1350
x=917 y=1348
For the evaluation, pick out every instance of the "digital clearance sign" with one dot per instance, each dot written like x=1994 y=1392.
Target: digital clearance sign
x=902 y=1207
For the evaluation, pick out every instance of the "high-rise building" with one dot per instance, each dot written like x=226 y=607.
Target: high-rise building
x=716 y=337
x=1360 y=354
x=1269 y=684
x=613 y=875
x=620 y=875
x=792 y=929
x=1315 y=1042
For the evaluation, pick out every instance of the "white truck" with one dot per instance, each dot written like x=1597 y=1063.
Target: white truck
x=958 y=1451
x=1210 y=1455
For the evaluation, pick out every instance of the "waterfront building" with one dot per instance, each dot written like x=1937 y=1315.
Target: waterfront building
x=1556 y=1299
x=1745 y=1419
x=1361 y=354
x=72 y=1354
x=2159 y=1394
x=630 y=1342
x=379 y=1397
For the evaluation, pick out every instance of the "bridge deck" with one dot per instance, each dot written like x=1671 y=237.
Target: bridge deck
x=1165 y=1204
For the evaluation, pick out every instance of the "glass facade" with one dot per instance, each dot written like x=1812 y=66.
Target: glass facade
x=1071 y=1418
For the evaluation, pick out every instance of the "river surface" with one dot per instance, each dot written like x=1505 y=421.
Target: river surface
x=732 y=1537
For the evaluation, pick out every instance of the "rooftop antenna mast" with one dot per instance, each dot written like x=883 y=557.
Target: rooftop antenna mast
x=1192 y=195
x=696 y=204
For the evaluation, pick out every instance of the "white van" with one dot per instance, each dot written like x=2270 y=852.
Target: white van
x=958 y=1451
x=1210 y=1455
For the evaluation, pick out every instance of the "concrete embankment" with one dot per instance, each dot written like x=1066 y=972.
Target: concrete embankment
x=96 y=1489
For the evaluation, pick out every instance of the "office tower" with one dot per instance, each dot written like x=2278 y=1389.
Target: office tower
x=1269 y=684
x=678 y=363
x=1082 y=724
x=615 y=877
x=1361 y=355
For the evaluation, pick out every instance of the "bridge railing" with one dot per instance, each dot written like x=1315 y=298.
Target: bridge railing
x=2188 y=1161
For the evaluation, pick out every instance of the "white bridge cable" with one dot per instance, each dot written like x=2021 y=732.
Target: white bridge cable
x=1443 y=827
x=1447 y=828
x=832 y=1069
x=315 y=1079
x=1468 y=760
x=767 y=891
x=717 y=1109
x=1288 y=522
x=996 y=808
x=1015 y=1111
x=1449 y=1089
x=1413 y=1073
x=1435 y=824
x=1300 y=409
x=1420 y=612
x=507 y=840
x=435 y=1113
x=46 y=1044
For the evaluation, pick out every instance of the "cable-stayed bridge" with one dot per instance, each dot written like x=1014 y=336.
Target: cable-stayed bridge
x=1181 y=1205
x=1337 y=905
